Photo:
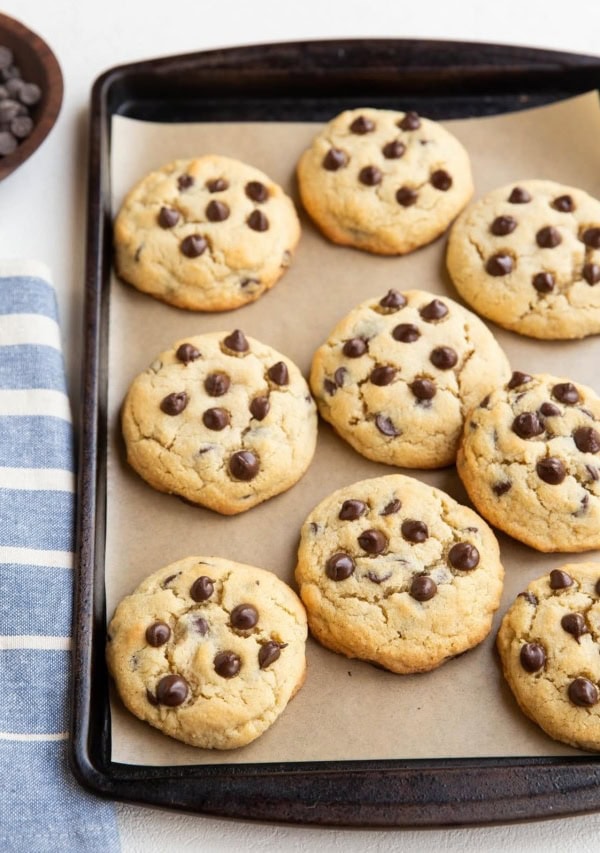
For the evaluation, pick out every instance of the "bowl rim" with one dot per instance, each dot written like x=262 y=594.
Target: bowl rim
x=54 y=96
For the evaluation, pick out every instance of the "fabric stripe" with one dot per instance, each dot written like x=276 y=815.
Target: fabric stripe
x=40 y=558
x=27 y=295
x=32 y=366
x=43 y=479
x=29 y=329
x=36 y=690
x=21 y=442
x=20 y=641
x=35 y=401
x=37 y=519
x=30 y=737
x=35 y=600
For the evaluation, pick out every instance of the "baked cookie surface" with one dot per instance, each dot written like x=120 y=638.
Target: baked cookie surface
x=549 y=644
x=397 y=374
x=527 y=256
x=530 y=462
x=396 y=572
x=209 y=651
x=222 y=420
x=206 y=234
x=384 y=181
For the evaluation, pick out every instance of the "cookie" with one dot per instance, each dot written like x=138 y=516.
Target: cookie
x=208 y=651
x=396 y=572
x=527 y=256
x=221 y=420
x=384 y=181
x=206 y=234
x=396 y=376
x=530 y=462
x=549 y=644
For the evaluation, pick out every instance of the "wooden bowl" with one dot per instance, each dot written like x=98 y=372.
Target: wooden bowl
x=38 y=65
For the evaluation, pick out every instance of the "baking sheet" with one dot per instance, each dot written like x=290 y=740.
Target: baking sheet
x=346 y=709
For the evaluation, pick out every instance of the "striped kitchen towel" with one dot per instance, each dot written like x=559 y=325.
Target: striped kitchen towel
x=42 y=808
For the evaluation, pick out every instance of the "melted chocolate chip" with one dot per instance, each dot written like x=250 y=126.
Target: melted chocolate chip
x=202 y=588
x=256 y=191
x=185 y=181
x=583 y=692
x=406 y=333
x=587 y=440
x=373 y=541
x=227 y=664
x=386 y=426
x=243 y=465
x=414 y=531
x=362 y=125
x=529 y=597
x=200 y=625
x=564 y=203
x=464 y=556
x=574 y=623
x=330 y=387
x=543 y=282
x=410 y=121
x=217 y=211
x=500 y=489
x=532 y=657
x=434 y=310
x=500 y=264
x=382 y=375
x=548 y=237
x=549 y=410
x=393 y=299
x=237 y=341
x=168 y=217
x=519 y=196
x=258 y=221
x=370 y=176
x=560 y=579
x=193 y=246
x=352 y=509
x=566 y=392
x=423 y=588
x=335 y=159
x=593 y=472
x=278 y=373
x=503 y=225
x=175 y=403
x=394 y=150
x=243 y=617
x=518 y=379
x=268 y=654
x=406 y=196
x=591 y=273
x=157 y=634
x=172 y=690
x=167 y=581
x=441 y=180
x=423 y=389
x=217 y=384
x=355 y=347
x=551 y=470
x=443 y=358
x=393 y=506
x=259 y=408
x=375 y=578
x=217 y=185
x=216 y=419
x=591 y=238
x=339 y=567
x=527 y=425
x=186 y=353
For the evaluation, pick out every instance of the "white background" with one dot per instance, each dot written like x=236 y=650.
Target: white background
x=42 y=216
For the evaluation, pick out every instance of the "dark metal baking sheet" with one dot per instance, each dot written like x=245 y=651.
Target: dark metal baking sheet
x=310 y=81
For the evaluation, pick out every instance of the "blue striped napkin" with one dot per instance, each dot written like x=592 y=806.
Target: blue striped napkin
x=41 y=806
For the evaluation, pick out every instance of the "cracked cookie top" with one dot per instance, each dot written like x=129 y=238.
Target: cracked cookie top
x=384 y=181
x=527 y=256
x=208 y=651
x=398 y=373
x=221 y=420
x=396 y=572
x=206 y=234
x=530 y=462
x=549 y=644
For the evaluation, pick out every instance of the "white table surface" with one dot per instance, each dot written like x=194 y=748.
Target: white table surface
x=43 y=216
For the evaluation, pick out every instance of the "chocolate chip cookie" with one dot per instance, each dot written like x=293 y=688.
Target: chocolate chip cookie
x=208 y=651
x=396 y=572
x=549 y=644
x=527 y=256
x=398 y=373
x=207 y=234
x=384 y=181
x=221 y=420
x=530 y=461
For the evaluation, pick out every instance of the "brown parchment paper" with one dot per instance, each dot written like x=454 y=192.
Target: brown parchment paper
x=346 y=709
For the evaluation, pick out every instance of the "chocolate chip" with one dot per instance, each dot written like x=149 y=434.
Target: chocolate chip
x=548 y=237
x=355 y=347
x=393 y=506
x=386 y=426
x=243 y=465
x=519 y=196
x=8 y=144
x=167 y=581
x=172 y=690
x=583 y=692
x=591 y=273
x=335 y=159
x=268 y=654
x=543 y=282
x=21 y=127
x=329 y=387
x=200 y=625
x=532 y=657
x=597 y=587
x=564 y=203
x=423 y=389
x=217 y=384
x=393 y=299
x=434 y=310
x=485 y=402
x=278 y=373
x=258 y=221
x=566 y=392
x=256 y=191
x=370 y=176
x=411 y=121
x=202 y=588
x=339 y=567
x=443 y=358
x=352 y=509
x=217 y=211
x=423 y=588
x=243 y=617
x=373 y=541
x=529 y=598
x=560 y=579
x=406 y=333
x=193 y=246
x=157 y=634
x=527 y=425
x=593 y=472
x=186 y=353
x=551 y=470
x=587 y=440
x=394 y=150
x=216 y=419
x=151 y=698
x=382 y=375
x=375 y=578
x=217 y=185
x=498 y=265
x=175 y=403
x=237 y=341
x=500 y=489
x=340 y=376
x=464 y=556
x=591 y=238
x=406 y=196
x=259 y=408
x=414 y=531
x=227 y=664
x=574 y=623
x=518 y=379
x=503 y=225
x=185 y=181
x=362 y=125
x=441 y=180
x=168 y=217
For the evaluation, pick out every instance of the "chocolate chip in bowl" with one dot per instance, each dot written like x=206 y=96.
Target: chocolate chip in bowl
x=31 y=91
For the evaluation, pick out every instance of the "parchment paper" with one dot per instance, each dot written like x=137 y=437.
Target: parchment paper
x=346 y=709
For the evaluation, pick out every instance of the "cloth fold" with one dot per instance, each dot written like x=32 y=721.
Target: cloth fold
x=42 y=807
